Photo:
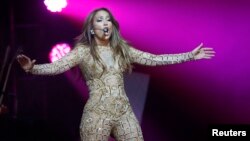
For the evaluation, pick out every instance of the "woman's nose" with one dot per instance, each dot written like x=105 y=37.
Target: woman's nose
x=105 y=23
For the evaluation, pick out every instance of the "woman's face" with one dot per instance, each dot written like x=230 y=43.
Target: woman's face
x=102 y=20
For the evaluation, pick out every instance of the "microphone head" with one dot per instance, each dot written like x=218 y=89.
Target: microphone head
x=105 y=30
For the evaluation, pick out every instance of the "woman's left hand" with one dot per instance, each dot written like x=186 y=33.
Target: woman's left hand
x=201 y=52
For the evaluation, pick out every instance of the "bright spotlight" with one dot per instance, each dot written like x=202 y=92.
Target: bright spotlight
x=58 y=51
x=55 y=5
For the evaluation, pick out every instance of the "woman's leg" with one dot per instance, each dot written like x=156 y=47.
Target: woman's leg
x=94 y=127
x=127 y=128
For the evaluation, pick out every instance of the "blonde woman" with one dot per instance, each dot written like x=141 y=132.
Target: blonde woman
x=103 y=56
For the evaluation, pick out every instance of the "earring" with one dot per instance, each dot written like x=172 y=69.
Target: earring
x=92 y=32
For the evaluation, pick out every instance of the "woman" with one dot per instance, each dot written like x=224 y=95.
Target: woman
x=103 y=56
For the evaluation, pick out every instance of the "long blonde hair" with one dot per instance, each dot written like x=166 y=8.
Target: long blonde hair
x=118 y=44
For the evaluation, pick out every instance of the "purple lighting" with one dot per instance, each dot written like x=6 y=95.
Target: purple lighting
x=55 y=5
x=58 y=51
x=178 y=26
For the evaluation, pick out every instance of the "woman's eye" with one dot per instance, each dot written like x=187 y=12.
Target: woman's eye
x=98 y=20
x=109 y=20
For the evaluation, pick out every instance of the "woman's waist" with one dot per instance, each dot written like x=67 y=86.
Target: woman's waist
x=109 y=82
x=113 y=90
x=108 y=93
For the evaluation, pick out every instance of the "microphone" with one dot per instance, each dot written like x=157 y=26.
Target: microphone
x=105 y=30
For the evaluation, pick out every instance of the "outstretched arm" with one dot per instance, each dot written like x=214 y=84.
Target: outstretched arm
x=65 y=63
x=149 y=59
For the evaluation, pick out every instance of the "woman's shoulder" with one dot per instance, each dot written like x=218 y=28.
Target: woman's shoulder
x=81 y=47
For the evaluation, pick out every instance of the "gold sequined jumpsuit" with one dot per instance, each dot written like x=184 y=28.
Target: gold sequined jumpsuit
x=107 y=110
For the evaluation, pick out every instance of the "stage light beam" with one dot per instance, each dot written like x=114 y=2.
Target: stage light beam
x=58 y=51
x=55 y=5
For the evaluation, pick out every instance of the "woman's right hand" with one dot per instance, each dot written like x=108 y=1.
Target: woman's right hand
x=25 y=62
